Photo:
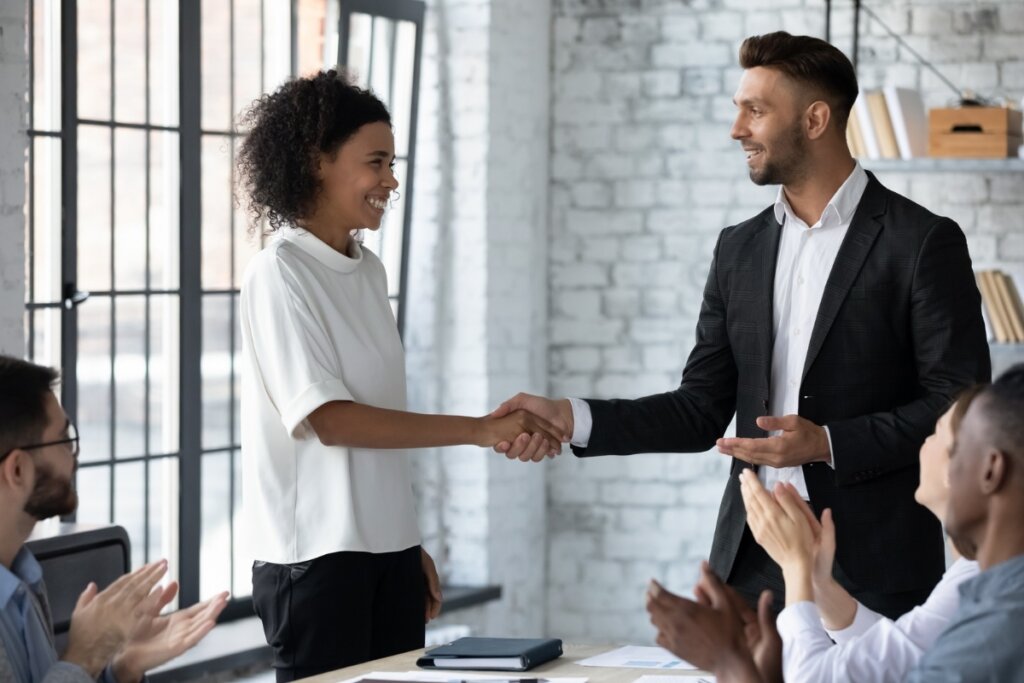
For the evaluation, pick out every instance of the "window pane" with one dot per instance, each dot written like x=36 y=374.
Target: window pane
x=246 y=244
x=391 y=235
x=236 y=378
x=130 y=377
x=401 y=99
x=163 y=63
x=248 y=38
x=164 y=340
x=94 y=208
x=164 y=220
x=312 y=15
x=130 y=506
x=216 y=370
x=94 y=59
x=46 y=65
x=130 y=208
x=381 y=58
x=360 y=30
x=45 y=347
x=93 y=374
x=93 y=485
x=46 y=221
x=130 y=60
x=217 y=207
x=242 y=578
x=215 y=83
x=215 y=547
x=163 y=511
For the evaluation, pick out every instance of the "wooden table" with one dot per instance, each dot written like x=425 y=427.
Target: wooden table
x=564 y=666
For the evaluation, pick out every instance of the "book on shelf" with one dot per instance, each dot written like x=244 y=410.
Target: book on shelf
x=887 y=147
x=867 y=129
x=1003 y=306
x=909 y=121
x=854 y=137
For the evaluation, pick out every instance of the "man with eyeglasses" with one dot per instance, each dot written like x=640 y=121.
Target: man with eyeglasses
x=117 y=633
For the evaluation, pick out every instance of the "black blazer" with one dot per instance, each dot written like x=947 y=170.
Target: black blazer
x=898 y=334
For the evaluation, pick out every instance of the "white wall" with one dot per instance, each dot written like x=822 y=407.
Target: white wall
x=13 y=147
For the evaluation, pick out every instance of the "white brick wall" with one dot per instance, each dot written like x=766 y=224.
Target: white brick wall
x=13 y=147
x=644 y=175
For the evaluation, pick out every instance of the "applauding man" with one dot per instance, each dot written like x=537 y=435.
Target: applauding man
x=117 y=632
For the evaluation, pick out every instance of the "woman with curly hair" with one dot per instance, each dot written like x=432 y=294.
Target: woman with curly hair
x=340 y=577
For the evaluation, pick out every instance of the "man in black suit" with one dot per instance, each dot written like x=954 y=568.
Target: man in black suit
x=836 y=325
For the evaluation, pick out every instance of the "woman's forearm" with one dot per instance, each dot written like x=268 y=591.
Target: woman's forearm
x=356 y=425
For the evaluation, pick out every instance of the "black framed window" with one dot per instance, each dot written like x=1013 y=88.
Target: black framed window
x=135 y=248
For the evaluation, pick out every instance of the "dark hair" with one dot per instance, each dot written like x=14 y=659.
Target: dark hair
x=809 y=61
x=288 y=130
x=1004 y=411
x=23 y=389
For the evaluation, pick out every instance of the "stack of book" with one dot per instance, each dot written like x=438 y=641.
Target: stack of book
x=889 y=123
x=1002 y=305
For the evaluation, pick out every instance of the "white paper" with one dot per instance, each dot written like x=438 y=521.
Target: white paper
x=696 y=678
x=444 y=676
x=636 y=657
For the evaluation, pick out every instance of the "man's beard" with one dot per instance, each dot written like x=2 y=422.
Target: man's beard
x=51 y=496
x=790 y=151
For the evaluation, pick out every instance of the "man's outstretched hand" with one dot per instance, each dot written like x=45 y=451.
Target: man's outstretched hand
x=800 y=442
x=556 y=412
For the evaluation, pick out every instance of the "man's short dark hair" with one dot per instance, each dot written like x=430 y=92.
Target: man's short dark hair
x=1004 y=412
x=808 y=61
x=23 y=389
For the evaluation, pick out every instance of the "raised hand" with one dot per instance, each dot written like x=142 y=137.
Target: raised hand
x=710 y=634
x=557 y=412
x=542 y=438
x=800 y=442
x=166 y=637
x=103 y=622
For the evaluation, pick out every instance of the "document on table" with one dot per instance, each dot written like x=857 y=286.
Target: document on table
x=636 y=657
x=453 y=676
x=696 y=678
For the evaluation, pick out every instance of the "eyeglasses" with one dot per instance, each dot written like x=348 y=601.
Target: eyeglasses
x=72 y=438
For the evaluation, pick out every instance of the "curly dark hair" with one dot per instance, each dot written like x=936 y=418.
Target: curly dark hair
x=288 y=130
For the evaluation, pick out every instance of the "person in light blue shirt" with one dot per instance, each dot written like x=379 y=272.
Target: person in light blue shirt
x=986 y=506
x=116 y=633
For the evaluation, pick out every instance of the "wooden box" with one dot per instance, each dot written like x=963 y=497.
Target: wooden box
x=974 y=132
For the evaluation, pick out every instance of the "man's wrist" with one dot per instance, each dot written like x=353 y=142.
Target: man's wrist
x=799 y=586
x=124 y=670
x=738 y=666
x=87 y=661
x=565 y=410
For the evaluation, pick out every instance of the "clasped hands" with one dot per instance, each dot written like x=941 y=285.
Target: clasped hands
x=534 y=427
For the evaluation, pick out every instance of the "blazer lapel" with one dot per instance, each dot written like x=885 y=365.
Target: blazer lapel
x=768 y=245
x=853 y=252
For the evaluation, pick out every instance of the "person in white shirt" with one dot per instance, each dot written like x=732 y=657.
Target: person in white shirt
x=339 y=576
x=867 y=646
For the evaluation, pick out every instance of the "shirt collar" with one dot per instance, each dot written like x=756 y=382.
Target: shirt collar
x=24 y=569
x=840 y=208
x=323 y=252
x=1003 y=580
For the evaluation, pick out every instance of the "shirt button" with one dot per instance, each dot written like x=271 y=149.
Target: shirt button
x=799 y=280
x=796 y=331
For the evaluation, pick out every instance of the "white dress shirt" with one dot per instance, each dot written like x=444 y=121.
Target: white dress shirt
x=805 y=259
x=872 y=648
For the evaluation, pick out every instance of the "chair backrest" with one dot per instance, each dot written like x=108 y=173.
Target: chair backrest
x=71 y=557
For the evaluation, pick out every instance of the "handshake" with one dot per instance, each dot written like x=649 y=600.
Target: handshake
x=528 y=428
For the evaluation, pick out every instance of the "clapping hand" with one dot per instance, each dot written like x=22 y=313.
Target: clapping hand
x=713 y=632
x=162 y=638
x=103 y=621
x=558 y=414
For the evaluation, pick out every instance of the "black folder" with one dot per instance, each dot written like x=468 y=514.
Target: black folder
x=495 y=654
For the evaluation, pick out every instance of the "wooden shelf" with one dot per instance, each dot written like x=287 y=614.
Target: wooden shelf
x=933 y=165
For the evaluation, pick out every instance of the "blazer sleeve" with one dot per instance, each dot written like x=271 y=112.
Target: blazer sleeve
x=691 y=417
x=950 y=352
